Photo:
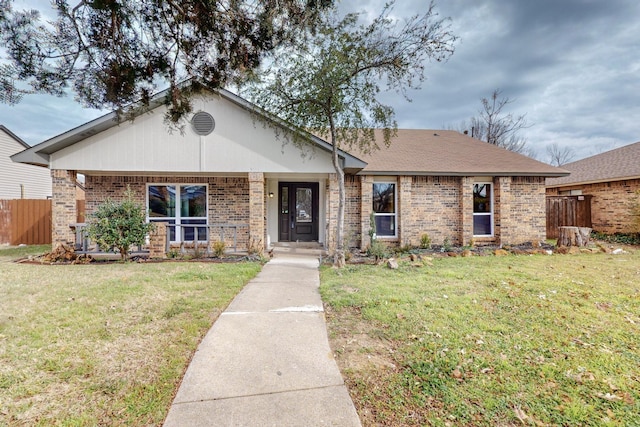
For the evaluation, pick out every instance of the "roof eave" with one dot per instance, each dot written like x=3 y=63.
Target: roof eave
x=465 y=173
x=598 y=181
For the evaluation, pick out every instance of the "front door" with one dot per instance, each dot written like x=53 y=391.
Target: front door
x=298 y=211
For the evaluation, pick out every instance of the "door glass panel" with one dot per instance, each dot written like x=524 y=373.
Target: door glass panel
x=303 y=205
x=284 y=202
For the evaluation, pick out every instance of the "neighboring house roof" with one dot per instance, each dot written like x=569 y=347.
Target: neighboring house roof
x=39 y=154
x=615 y=165
x=449 y=153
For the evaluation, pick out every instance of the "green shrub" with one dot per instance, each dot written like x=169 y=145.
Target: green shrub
x=219 y=248
x=378 y=250
x=425 y=241
x=119 y=225
x=446 y=244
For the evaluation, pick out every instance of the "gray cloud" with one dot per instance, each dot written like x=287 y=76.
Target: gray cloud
x=571 y=66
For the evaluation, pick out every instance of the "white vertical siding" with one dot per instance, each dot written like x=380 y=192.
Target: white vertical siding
x=18 y=180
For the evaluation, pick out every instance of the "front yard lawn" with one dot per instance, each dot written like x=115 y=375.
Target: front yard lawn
x=103 y=344
x=490 y=341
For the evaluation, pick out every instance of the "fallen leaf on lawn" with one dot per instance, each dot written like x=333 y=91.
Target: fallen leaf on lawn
x=456 y=374
x=521 y=415
x=608 y=396
x=400 y=316
x=487 y=371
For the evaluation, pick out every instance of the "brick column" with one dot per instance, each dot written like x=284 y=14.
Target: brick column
x=63 y=206
x=503 y=223
x=333 y=200
x=366 y=207
x=158 y=241
x=256 y=212
x=466 y=210
x=406 y=234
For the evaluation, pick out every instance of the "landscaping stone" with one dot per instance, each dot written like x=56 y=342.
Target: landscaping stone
x=392 y=263
x=500 y=252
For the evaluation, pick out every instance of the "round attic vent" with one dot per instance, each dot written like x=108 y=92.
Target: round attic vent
x=203 y=123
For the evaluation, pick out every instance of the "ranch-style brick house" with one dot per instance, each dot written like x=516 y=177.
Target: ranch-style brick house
x=229 y=170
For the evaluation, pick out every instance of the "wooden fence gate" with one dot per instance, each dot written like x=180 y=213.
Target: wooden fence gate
x=25 y=221
x=572 y=211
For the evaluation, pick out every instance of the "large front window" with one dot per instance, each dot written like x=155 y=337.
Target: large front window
x=482 y=209
x=184 y=205
x=384 y=208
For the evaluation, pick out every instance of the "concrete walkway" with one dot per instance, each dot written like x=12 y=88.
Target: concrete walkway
x=266 y=361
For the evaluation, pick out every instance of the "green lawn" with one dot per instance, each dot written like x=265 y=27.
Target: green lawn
x=490 y=341
x=103 y=344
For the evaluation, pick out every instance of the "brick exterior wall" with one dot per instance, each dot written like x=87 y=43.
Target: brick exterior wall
x=442 y=208
x=521 y=216
x=63 y=206
x=435 y=210
x=228 y=198
x=609 y=204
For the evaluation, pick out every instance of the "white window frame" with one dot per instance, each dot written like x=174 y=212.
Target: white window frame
x=395 y=209
x=490 y=214
x=178 y=217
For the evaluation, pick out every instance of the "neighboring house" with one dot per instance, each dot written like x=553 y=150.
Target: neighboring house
x=19 y=181
x=230 y=168
x=611 y=178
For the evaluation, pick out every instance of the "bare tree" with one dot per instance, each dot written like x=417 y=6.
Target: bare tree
x=498 y=127
x=559 y=156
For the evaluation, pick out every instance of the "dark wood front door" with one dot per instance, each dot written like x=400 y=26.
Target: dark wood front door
x=298 y=211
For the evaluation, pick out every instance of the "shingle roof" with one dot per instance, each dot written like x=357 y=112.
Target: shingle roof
x=615 y=165
x=450 y=153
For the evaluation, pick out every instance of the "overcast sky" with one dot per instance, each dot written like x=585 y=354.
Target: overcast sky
x=572 y=66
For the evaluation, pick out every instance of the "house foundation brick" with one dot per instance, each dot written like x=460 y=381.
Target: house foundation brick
x=63 y=206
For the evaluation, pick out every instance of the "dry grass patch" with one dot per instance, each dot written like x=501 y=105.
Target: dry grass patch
x=103 y=344
x=490 y=341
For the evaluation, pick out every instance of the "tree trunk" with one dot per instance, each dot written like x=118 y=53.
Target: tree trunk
x=573 y=236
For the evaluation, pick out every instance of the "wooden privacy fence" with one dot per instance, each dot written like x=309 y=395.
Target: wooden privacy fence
x=25 y=221
x=563 y=211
